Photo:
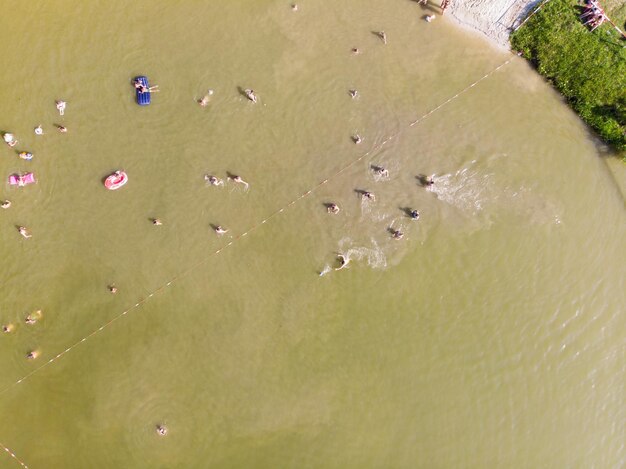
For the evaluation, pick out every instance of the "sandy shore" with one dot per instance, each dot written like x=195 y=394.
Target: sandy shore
x=493 y=18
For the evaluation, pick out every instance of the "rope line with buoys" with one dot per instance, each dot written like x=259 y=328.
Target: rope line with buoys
x=12 y=454
x=250 y=230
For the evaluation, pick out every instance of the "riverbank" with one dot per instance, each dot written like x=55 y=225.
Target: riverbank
x=587 y=67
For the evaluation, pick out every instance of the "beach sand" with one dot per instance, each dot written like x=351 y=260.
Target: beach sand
x=495 y=19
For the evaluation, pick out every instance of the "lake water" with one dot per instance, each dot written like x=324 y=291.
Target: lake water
x=491 y=335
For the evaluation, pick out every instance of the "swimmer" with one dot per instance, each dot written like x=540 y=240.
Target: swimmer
x=250 y=94
x=7 y=328
x=238 y=180
x=5 y=204
x=157 y=222
x=26 y=155
x=213 y=180
x=429 y=18
x=32 y=355
x=33 y=317
x=414 y=214
x=24 y=232
x=294 y=7
x=397 y=234
x=39 y=130
x=61 y=129
x=353 y=93
x=380 y=171
x=9 y=139
x=356 y=139
x=161 y=430
x=426 y=181
x=332 y=208
x=61 y=105
x=368 y=195
x=205 y=99
x=112 y=289
x=355 y=51
x=219 y=230
x=382 y=36
x=343 y=261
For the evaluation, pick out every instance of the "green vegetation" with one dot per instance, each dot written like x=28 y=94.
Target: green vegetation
x=589 y=69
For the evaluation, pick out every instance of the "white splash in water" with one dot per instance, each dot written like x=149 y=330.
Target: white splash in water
x=467 y=189
x=374 y=255
x=325 y=270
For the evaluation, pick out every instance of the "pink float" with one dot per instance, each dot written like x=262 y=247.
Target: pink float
x=116 y=180
x=21 y=180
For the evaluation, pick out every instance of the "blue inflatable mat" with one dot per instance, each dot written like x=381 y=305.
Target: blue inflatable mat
x=143 y=99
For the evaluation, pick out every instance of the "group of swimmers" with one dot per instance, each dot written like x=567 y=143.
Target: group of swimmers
x=30 y=319
x=11 y=141
x=396 y=234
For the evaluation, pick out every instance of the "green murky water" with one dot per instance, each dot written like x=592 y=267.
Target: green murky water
x=491 y=335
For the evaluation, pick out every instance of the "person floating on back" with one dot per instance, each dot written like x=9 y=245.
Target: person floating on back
x=238 y=180
x=251 y=95
x=204 y=101
x=213 y=180
x=24 y=232
x=61 y=105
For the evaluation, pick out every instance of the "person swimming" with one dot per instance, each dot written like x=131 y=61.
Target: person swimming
x=32 y=354
x=383 y=36
x=368 y=195
x=353 y=93
x=157 y=222
x=220 y=230
x=24 y=232
x=9 y=139
x=238 y=180
x=356 y=139
x=294 y=7
x=7 y=328
x=112 y=289
x=161 y=430
x=343 y=261
x=204 y=101
x=25 y=155
x=61 y=105
x=251 y=95
x=213 y=180
x=397 y=234
x=5 y=204
x=33 y=317
x=355 y=51
x=332 y=208
x=380 y=171
x=61 y=129
x=414 y=214
x=39 y=130
x=429 y=18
